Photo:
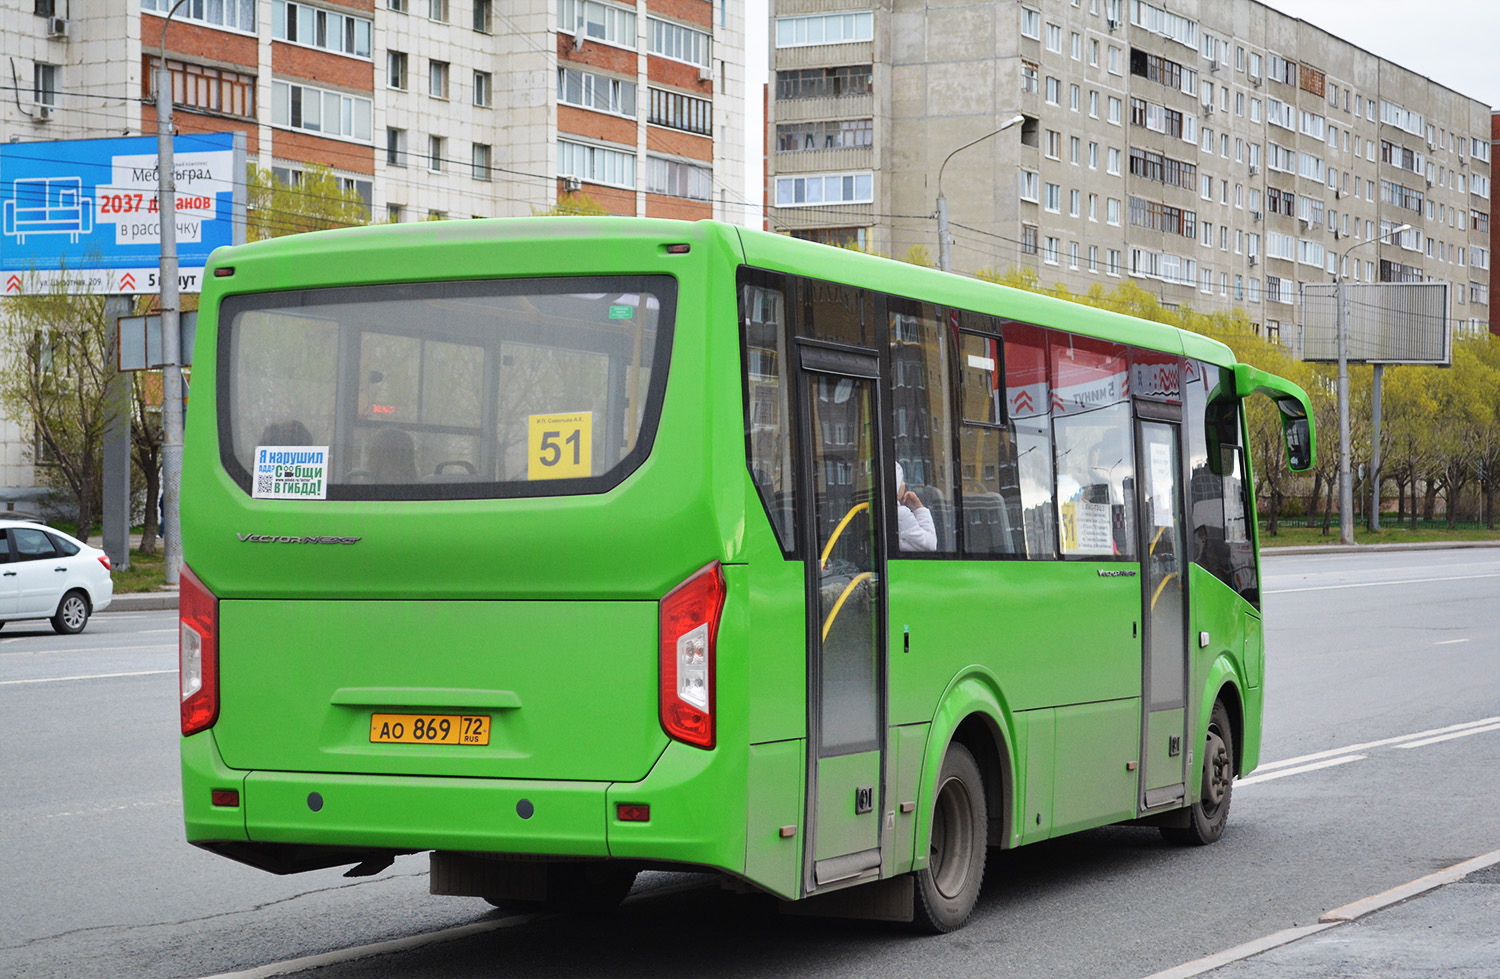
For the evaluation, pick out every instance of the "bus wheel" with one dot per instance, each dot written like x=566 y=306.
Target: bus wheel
x=1210 y=812
x=948 y=888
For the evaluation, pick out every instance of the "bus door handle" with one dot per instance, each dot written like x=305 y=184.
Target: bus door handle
x=63 y=570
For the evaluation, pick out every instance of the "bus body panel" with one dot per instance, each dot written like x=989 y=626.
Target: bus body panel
x=773 y=858
x=301 y=679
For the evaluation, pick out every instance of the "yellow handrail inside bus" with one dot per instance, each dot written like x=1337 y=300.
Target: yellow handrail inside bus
x=828 y=622
x=1159 y=589
x=1152 y=549
x=828 y=549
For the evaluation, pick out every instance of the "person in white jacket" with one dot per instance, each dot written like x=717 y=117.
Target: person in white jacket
x=913 y=520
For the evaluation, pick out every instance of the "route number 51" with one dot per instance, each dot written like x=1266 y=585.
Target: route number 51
x=560 y=446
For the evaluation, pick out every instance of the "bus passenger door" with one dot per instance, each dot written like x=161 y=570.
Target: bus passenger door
x=1165 y=746
x=846 y=667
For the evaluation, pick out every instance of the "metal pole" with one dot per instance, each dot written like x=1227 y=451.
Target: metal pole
x=171 y=336
x=942 y=215
x=1375 y=451
x=1346 y=486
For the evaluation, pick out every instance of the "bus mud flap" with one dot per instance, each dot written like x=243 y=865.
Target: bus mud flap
x=891 y=899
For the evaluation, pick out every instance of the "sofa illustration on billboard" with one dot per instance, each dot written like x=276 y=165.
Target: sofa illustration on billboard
x=49 y=206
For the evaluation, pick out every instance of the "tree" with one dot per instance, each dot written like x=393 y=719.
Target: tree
x=319 y=200
x=56 y=384
x=573 y=205
x=147 y=436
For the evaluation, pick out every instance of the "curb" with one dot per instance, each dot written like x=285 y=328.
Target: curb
x=1268 y=551
x=1331 y=919
x=151 y=601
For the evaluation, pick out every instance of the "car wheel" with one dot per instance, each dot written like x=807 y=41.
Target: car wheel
x=72 y=613
x=948 y=888
x=1210 y=811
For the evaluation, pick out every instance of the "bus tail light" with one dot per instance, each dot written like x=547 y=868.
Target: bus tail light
x=689 y=634
x=198 y=653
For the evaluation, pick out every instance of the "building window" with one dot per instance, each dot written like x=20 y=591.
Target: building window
x=823 y=83
x=437 y=79
x=847 y=28
x=395 y=212
x=395 y=70
x=838 y=237
x=689 y=114
x=44 y=85
x=678 y=42
x=483 y=89
x=315 y=27
x=480 y=161
x=320 y=111
x=195 y=87
x=1030 y=185
x=482 y=16
x=802 y=136
x=597 y=22
x=832 y=188
x=234 y=15
x=1030 y=78
x=598 y=92
x=437 y=151
x=1031 y=23
x=395 y=147
x=679 y=179
x=437 y=10
x=596 y=164
x=1028 y=239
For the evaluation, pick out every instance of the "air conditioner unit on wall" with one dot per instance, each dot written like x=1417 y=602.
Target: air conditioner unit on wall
x=1254 y=259
x=57 y=27
x=705 y=74
x=1213 y=66
x=1254 y=169
x=43 y=112
x=572 y=185
x=1256 y=215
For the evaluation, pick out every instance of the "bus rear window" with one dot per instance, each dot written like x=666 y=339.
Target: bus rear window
x=456 y=390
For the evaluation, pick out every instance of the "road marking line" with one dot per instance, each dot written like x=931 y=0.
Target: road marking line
x=90 y=649
x=1449 y=642
x=1350 y=749
x=1326 y=763
x=91 y=676
x=1332 y=919
x=1377 y=584
x=1450 y=737
x=1396 y=895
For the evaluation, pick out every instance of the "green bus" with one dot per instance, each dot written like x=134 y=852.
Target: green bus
x=568 y=547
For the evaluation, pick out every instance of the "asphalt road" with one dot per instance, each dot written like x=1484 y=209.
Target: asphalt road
x=1392 y=656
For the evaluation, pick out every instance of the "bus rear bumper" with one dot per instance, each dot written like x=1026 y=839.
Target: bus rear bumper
x=287 y=822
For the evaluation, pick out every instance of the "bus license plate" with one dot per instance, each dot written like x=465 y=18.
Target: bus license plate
x=462 y=729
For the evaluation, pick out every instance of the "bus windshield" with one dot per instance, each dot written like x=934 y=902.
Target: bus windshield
x=448 y=390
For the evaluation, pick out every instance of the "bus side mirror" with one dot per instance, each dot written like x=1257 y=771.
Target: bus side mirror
x=1298 y=432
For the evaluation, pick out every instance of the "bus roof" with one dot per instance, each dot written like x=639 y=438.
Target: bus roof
x=384 y=253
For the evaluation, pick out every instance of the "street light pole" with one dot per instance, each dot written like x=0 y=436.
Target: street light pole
x=944 y=262
x=171 y=338
x=1346 y=484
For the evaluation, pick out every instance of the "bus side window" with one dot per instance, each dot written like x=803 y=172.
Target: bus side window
x=1219 y=511
x=1028 y=396
x=1095 y=449
x=768 y=438
x=920 y=419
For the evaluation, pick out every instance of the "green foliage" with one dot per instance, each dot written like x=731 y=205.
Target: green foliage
x=317 y=203
x=572 y=205
x=919 y=255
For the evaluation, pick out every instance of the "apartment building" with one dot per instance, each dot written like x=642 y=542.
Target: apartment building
x=426 y=108
x=1220 y=154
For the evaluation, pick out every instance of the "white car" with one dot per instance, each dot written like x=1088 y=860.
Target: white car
x=45 y=574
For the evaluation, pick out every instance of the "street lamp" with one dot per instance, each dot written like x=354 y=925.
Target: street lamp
x=1346 y=485
x=942 y=202
x=171 y=338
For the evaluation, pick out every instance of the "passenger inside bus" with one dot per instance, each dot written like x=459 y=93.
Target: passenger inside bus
x=913 y=520
x=392 y=457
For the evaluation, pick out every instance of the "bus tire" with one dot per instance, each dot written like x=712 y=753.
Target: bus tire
x=947 y=889
x=1210 y=811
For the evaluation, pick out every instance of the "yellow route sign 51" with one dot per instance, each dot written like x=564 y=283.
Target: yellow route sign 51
x=560 y=446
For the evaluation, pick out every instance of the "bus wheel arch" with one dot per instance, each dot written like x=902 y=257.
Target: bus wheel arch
x=1229 y=696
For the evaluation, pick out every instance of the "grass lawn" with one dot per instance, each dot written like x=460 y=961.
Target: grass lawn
x=1388 y=534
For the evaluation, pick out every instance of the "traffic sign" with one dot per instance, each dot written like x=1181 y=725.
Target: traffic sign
x=86 y=211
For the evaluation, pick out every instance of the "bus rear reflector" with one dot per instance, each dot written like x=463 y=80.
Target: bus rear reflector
x=197 y=653
x=689 y=634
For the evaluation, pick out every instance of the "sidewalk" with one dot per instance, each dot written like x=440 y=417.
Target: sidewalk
x=1445 y=924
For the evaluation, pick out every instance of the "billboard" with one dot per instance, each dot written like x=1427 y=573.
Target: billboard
x=87 y=210
x=1385 y=323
